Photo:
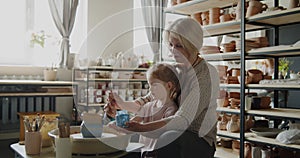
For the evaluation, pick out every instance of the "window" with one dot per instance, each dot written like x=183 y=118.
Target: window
x=22 y=19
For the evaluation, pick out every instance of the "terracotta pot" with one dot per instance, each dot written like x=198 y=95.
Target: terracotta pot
x=222 y=125
x=247 y=79
x=226 y=142
x=233 y=124
x=223 y=102
x=255 y=74
x=205 y=18
x=223 y=94
x=234 y=103
x=255 y=7
x=235 y=95
x=225 y=17
x=236 y=72
x=197 y=17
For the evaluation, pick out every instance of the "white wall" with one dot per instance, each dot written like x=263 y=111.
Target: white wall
x=110 y=26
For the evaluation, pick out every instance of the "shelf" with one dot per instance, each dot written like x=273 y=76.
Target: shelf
x=233 y=86
x=274 y=86
x=279 y=17
x=111 y=80
x=225 y=153
x=196 y=6
x=228 y=27
x=227 y=134
x=222 y=56
x=277 y=112
x=109 y=68
x=228 y=110
x=270 y=141
x=34 y=94
x=91 y=104
x=277 y=51
x=263 y=86
x=36 y=82
x=273 y=112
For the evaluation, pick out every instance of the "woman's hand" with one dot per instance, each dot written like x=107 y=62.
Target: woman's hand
x=117 y=128
x=134 y=126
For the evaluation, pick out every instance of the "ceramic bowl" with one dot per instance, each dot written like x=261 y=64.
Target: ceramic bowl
x=266 y=132
x=247 y=79
x=226 y=142
x=111 y=141
x=235 y=95
x=256 y=75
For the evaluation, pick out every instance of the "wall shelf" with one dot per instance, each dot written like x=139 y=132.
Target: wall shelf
x=270 y=141
x=229 y=27
x=277 y=18
x=196 y=6
x=277 y=112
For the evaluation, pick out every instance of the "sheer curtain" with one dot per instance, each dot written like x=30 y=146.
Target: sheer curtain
x=154 y=23
x=63 y=13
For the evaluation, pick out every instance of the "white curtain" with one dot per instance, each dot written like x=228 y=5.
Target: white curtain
x=63 y=13
x=153 y=17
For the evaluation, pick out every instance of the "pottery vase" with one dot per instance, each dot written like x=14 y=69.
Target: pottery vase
x=233 y=125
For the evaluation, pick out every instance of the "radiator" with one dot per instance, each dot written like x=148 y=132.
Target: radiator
x=10 y=106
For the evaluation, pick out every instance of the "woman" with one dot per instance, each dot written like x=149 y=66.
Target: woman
x=191 y=131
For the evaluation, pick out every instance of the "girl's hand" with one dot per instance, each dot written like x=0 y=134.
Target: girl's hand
x=115 y=100
x=110 y=110
x=111 y=107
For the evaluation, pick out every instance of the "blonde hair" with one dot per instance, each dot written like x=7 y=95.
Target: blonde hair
x=183 y=41
x=166 y=73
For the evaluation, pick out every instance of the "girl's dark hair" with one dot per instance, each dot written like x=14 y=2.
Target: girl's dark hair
x=167 y=73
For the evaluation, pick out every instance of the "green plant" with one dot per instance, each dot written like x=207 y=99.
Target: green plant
x=38 y=38
x=284 y=65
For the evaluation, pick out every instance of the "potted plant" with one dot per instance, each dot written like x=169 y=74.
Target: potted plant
x=284 y=65
x=50 y=73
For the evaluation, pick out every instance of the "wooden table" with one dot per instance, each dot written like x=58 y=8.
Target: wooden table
x=50 y=153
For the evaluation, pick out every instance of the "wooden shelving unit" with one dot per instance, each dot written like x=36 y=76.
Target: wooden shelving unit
x=267 y=20
x=87 y=79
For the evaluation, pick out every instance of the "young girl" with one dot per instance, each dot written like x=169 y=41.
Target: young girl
x=164 y=90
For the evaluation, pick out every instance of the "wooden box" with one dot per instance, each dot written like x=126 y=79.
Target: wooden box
x=49 y=115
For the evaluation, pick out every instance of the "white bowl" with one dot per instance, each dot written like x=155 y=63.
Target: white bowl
x=111 y=141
